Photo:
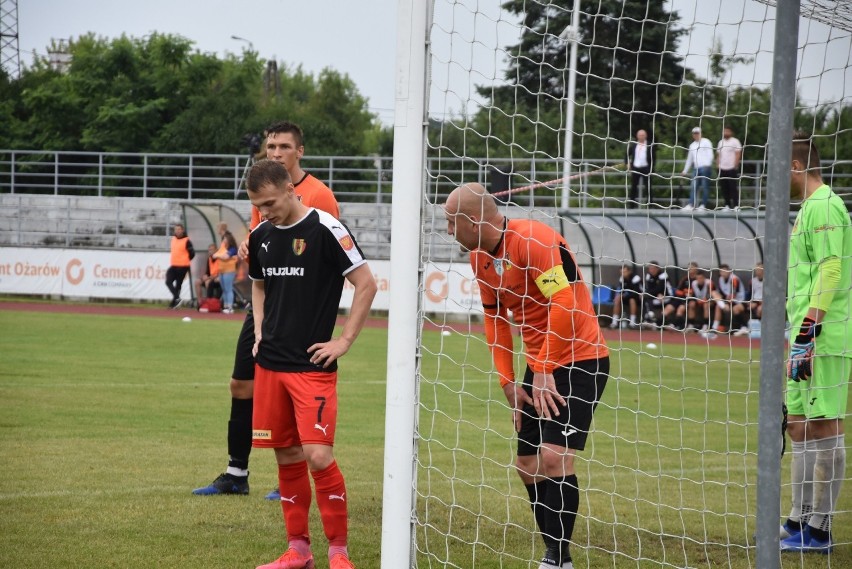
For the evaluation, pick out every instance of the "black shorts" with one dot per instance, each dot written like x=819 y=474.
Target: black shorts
x=581 y=385
x=243 y=360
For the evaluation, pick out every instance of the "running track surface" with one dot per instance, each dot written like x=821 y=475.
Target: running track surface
x=612 y=336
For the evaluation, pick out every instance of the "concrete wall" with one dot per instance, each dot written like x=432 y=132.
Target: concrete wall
x=30 y=220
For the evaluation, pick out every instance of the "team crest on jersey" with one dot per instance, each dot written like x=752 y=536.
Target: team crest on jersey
x=299 y=246
x=502 y=265
x=346 y=242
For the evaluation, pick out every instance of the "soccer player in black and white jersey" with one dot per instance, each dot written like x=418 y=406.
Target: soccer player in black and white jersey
x=298 y=260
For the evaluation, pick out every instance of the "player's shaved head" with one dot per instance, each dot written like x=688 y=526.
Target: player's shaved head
x=472 y=200
x=472 y=217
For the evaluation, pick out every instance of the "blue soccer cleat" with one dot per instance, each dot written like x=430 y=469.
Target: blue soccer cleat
x=225 y=484
x=787 y=531
x=804 y=542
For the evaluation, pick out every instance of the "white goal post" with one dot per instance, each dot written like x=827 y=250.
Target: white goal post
x=537 y=101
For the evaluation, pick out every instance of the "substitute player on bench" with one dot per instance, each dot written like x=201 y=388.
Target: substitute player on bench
x=298 y=259
x=526 y=267
x=284 y=145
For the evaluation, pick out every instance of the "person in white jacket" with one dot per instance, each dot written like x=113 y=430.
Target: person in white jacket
x=699 y=157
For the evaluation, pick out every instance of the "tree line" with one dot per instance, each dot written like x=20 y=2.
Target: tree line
x=159 y=94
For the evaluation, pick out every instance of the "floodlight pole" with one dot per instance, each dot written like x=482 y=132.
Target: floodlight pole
x=776 y=244
x=570 y=34
x=238 y=38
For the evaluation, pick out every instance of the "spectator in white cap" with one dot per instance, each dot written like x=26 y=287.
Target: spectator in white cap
x=699 y=157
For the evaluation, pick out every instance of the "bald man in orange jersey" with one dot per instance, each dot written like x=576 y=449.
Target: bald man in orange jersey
x=526 y=267
x=284 y=144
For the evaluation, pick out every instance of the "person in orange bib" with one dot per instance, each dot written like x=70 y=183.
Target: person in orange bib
x=181 y=252
x=526 y=267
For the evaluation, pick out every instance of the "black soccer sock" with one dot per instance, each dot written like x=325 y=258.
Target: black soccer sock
x=239 y=433
x=537 y=493
x=561 y=502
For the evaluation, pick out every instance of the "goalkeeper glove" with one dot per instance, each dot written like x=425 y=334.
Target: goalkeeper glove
x=799 y=366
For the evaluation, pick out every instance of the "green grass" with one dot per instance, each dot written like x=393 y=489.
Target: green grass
x=107 y=423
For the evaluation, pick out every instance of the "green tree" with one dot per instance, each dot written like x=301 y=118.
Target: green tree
x=159 y=94
x=628 y=74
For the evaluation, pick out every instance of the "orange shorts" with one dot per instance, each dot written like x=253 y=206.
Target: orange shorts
x=294 y=408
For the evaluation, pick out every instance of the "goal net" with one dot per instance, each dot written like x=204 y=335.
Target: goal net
x=543 y=114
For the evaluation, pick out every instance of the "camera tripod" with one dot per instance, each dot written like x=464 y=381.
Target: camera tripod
x=242 y=183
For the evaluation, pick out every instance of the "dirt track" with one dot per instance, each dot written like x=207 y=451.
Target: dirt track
x=612 y=336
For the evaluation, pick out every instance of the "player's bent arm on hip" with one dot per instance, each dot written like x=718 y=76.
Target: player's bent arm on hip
x=365 y=290
x=258 y=295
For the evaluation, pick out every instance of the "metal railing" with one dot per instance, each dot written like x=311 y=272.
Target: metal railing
x=356 y=178
x=175 y=176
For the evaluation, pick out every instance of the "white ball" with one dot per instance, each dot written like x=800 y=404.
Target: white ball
x=651 y=346
x=187 y=319
x=446 y=333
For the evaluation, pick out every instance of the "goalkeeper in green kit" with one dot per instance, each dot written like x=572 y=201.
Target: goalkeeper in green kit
x=819 y=309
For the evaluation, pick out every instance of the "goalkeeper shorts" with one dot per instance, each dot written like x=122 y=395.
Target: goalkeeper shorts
x=582 y=385
x=824 y=394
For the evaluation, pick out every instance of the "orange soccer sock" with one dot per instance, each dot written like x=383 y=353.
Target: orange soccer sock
x=331 y=500
x=295 y=488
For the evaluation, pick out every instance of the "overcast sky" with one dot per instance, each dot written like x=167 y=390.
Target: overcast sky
x=358 y=38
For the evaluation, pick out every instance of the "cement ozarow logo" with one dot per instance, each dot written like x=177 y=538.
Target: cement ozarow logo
x=284 y=271
x=74 y=271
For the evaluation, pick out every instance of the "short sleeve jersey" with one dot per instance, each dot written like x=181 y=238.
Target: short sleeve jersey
x=701 y=292
x=312 y=193
x=756 y=289
x=303 y=267
x=732 y=288
x=633 y=284
x=656 y=285
x=532 y=263
x=822 y=231
x=728 y=150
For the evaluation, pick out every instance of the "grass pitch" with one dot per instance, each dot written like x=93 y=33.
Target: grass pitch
x=109 y=422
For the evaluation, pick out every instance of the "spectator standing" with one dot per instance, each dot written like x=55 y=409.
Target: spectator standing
x=227 y=257
x=628 y=292
x=699 y=158
x=640 y=163
x=181 y=253
x=729 y=153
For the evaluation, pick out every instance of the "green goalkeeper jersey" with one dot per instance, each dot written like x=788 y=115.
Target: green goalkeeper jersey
x=822 y=230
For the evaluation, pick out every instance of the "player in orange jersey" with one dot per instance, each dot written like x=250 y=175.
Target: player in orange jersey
x=284 y=144
x=526 y=267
